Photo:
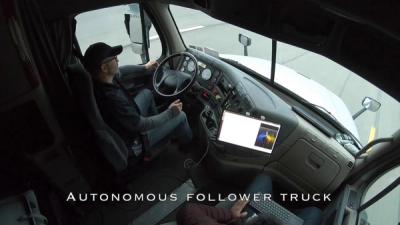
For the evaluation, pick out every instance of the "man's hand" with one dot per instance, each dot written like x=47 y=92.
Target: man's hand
x=176 y=106
x=237 y=208
x=151 y=65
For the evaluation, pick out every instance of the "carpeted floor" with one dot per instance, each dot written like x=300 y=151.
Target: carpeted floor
x=161 y=176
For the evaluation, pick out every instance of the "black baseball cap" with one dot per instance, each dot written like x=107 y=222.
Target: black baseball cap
x=96 y=53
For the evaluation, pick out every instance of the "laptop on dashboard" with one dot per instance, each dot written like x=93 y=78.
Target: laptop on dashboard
x=248 y=132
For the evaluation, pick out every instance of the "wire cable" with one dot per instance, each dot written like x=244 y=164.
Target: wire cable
x=190 y=163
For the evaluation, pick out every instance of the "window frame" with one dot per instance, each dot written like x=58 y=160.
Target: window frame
x=143 y=8
x=378 y=196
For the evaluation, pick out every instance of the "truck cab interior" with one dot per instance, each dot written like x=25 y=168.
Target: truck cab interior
x=55 y=143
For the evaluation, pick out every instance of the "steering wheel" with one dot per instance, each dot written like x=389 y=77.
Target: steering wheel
x=173 y=76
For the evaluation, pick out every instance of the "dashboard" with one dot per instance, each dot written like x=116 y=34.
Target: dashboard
x=223 y=87
x=308 y=154
x=211 y=80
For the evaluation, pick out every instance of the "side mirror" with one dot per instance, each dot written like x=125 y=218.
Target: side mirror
x=133 y=25
x=137 y=32
x=370 y=104
x=245 y=41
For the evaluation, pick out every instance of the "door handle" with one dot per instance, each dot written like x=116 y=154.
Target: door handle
x=314 y=161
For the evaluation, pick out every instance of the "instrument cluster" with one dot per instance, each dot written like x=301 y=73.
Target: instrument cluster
x=207 y=75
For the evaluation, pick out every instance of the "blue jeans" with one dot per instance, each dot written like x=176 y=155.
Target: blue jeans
x=176 y=127
x=260 y=184
x=263 y=184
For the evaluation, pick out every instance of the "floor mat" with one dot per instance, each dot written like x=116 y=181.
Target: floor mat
x=208 y=187
x=161 y=177
x=159 y=211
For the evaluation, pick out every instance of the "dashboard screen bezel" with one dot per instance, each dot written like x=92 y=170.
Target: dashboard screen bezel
x=255 y=147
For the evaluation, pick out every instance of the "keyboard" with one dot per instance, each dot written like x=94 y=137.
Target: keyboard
x=279 y=212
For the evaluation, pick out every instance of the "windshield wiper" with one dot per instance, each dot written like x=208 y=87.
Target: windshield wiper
x=240 y=66
x=321 y=108
x=335 y=121
x=235 y=63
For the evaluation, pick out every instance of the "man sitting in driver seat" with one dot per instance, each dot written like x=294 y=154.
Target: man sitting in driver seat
x=128 y=116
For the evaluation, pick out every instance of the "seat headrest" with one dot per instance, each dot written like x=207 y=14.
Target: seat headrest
x=77 y=74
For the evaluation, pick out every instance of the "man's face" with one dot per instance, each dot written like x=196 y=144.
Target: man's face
x=110 y=65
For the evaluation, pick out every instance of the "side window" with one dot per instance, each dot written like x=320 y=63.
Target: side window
x=120 y=25
x=387 y=209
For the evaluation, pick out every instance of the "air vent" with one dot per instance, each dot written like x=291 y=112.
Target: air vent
x=350 y=164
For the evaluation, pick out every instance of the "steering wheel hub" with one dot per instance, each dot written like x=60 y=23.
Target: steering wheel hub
x=172 y=78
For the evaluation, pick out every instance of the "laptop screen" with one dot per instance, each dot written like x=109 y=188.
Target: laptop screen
x=248 y=132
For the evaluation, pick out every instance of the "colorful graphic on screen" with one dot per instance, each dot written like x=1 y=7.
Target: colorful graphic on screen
x=266 y=136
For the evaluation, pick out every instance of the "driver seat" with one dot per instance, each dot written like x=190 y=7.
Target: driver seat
x=111 y=145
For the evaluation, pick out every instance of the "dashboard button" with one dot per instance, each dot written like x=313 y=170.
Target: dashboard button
x=205 y=95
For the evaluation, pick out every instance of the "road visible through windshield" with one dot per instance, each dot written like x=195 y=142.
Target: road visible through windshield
x=207 y=32
x=342 y=82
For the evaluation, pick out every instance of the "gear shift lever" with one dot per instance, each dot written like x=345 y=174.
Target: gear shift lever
x=209 y=121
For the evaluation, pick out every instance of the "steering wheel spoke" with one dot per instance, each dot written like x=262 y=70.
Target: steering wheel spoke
x=163 y=77
x=179 y=81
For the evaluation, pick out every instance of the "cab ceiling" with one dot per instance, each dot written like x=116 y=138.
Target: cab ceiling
x=362 y=35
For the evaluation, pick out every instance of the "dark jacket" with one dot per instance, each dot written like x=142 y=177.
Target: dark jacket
x=121 y=113
x=118 y=110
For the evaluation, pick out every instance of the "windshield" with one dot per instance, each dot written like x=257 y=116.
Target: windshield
x=328 y=86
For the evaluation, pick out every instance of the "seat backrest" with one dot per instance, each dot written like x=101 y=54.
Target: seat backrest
x=110 y=143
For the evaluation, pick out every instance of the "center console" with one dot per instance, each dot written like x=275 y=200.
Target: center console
x=210 y=122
